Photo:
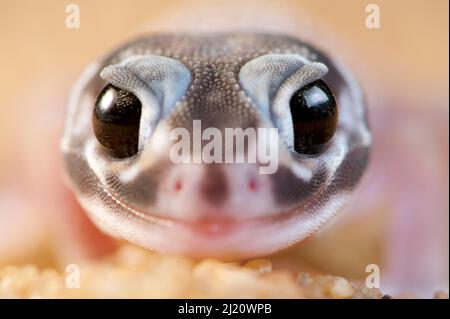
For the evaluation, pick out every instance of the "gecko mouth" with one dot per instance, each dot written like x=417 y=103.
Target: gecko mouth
x=219 y=227
x=216 y=227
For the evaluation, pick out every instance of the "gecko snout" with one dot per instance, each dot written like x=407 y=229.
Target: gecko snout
x=214 y=185
x=197 y=191
x=219 y=184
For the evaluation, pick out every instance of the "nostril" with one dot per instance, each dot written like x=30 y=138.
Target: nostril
x=252 y=185
x=178 y=186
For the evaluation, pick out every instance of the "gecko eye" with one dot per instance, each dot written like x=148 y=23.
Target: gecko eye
x=116 y=118
x=314 y=116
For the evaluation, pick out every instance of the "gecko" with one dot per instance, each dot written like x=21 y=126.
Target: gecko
x=116 y=142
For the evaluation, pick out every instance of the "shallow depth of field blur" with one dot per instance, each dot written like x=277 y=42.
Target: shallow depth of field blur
x=398 y=216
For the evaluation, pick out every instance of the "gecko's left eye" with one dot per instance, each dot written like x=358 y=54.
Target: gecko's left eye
x=314 y=116
x=116 y=119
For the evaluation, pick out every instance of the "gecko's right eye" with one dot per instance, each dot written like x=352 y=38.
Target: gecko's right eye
x=314 y=116
x=116 y=119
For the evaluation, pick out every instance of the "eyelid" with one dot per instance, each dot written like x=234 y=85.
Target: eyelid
x=261 y=77
x=158 y=82
x=305 y=75
x=165 y=79
x=281 y=104
x=270 y=81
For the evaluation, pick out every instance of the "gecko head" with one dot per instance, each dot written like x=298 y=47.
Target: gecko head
x=223 y=145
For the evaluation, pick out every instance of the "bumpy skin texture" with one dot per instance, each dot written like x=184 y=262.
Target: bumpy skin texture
x=216 y=210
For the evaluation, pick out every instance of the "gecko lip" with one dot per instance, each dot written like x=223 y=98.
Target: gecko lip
x=214 y=228
x=219 y=227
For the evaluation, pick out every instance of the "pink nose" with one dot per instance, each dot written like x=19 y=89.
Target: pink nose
x=213 y=183
x=211 y=191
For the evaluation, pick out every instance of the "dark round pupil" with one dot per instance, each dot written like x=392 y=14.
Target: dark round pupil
x=116 y=119
x=314 y=116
